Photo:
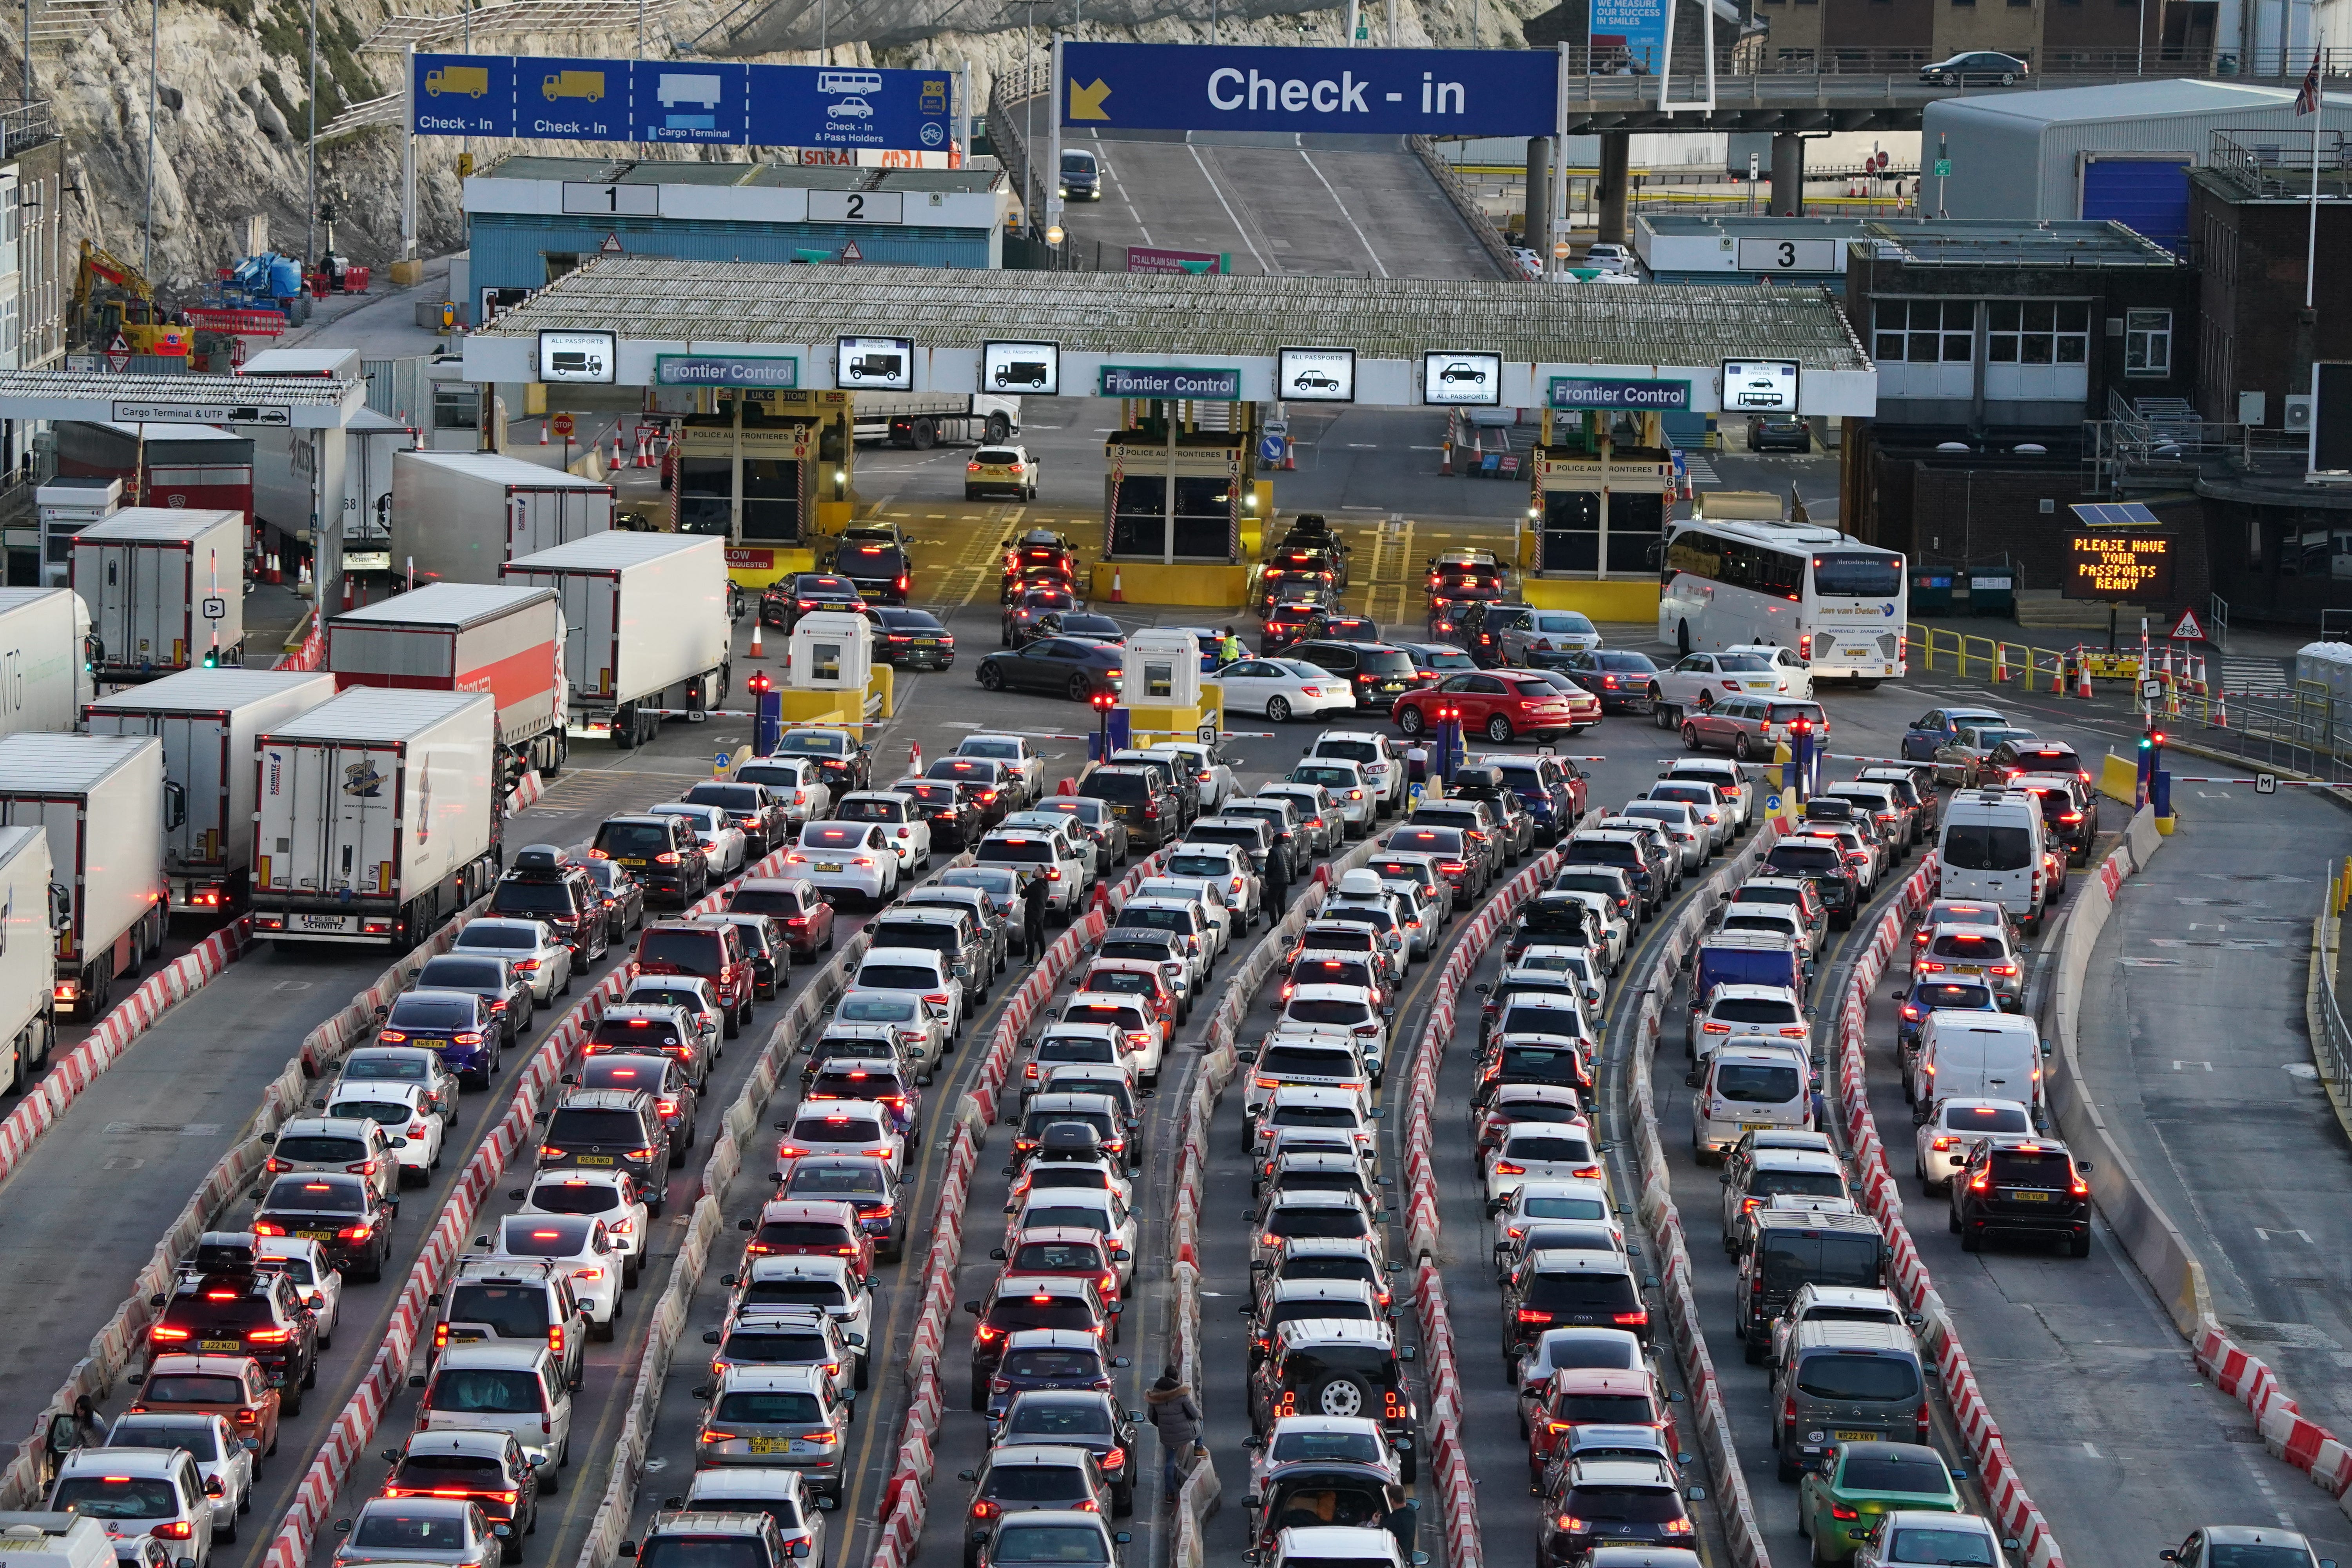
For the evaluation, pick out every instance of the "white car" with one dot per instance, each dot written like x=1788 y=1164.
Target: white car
x=1796 y=677
x=1320 y=818
x=1538 y=1198
x=1941 y=1144
x=1283 y=689
x=841 y=1127
x=531 y=947
x=796 y=781
x=1227 y=865
x=1346 y=1011
x=1350 y=788
x=406 y=1112
x=612 y=1196
x=925 y=971
x=1047 y=852
x=1099 y=1210
x=1692 y=836
x=723 y=844
x=1773 y=1011
x=807 y=1279
x=1580 y=962
x=1228 y=920
x=306 y=1263
x=920 y=1030
x=1616 y=930
x=904 y=828
x=577 y=1244
x=1144 y=1039
x=846 y=857
x=1607 y=256
x=1384 y=764
x=1727 y=776
x=1702 y=680
x=1540 y=1152
x=226 y=1461
x=1707 y=807
x=691 y=1000
x=1089 y=850
x=1210 y=776
x=1019 y=752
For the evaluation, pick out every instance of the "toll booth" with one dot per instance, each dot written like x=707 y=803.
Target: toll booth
x=1604 y=486
x=768 y=470
x=1178 y=497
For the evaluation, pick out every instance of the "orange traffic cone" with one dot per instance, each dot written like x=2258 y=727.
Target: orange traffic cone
x=2082 y=674
x=616 y=445
x=1117 y=585
x=2058 y=676
x=2000 y=663
x=542 y=431
x=756 y=651
x=2221 y=710
x=915 y=758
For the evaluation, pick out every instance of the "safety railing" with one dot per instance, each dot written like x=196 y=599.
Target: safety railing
x=2331 y=1043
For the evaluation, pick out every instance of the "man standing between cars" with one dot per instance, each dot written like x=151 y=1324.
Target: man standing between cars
x=1033 y=915
x=1229 y=649
x=1177 y=1421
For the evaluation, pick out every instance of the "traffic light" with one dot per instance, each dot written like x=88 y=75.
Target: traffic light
x=1104 y=702
x=212 y=656
x=760 y=685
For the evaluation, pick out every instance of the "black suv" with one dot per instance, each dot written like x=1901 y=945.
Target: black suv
x=611 y=1127
x=1824 y=863
x=2027 y=1189
x=876 y=561
x=1137 y=797
x=1326 y=1366
x=547 y=887
x=347 y=1216
x=1561 y=1290
x=2070 y=811
x=662 y=852
x=242 y=1311
x=755 y=808
x=1795 y=1248
x=494 y=979
x=1376 y=673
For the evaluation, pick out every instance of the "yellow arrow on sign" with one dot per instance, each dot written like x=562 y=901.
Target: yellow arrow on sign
x=1086 y=102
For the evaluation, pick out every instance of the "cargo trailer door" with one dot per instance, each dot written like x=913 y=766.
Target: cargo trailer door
x=61 y=820
x=195 y=756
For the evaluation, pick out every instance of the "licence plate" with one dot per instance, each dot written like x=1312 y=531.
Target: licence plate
x=595 y=1159
x=1844 y=1436
x=327 y=922
x=833 y=866
x=771 y=1444
x=220 y=1345
x=467 y=1336
x=1969 y=968
x=2027 y=1197
x=927 y=642
x=315 y=1235
x=633 y=862
x=1755 y=1127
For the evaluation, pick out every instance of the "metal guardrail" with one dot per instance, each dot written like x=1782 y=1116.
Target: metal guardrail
x=389 y=110
x=2331 y=1043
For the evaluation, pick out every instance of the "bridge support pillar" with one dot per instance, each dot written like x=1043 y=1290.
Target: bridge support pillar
x=1787 y=175
x=1539 y=230
x=1616 y=165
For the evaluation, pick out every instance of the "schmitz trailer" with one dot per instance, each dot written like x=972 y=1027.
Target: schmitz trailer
x=45 y=659
x=106 y=807
x=458 y=516
x=166 y=589
x=208 y=720
x=924 y=419
x=466 y=637
x=34 y=908
x=645 y=626
x=377 y=817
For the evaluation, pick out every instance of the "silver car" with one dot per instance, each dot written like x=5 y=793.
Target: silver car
x=225 y=1460
x=789 y=1417
x=449 y=1530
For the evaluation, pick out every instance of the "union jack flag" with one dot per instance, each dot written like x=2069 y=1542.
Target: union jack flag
x=2306 y=102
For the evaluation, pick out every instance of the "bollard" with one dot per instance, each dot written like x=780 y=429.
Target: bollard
x=2082 y=674
x=1999 y=663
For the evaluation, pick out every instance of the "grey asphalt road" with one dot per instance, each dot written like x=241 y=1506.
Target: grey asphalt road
x=1337 y=206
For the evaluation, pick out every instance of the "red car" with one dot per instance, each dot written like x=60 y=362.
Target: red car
x=1067 y=1251
x=1585 y=1397
x=715 y=952
x=806 y=1228
x=1500 y=704
x=794 y=905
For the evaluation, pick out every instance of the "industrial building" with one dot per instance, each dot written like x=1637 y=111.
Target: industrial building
x=2121 y=151
x=529 y=220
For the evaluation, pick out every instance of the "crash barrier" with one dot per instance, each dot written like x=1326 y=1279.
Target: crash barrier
x=1663 y=1220
x=1997 y=1476
x=666 y=1321
x=558 y=1051
x=2155 y=1245
x=116 y=1345
x=1995 y=659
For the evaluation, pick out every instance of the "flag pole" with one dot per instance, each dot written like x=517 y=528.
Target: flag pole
x=2311 y=229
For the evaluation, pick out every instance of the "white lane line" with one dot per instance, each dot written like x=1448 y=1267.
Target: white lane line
x=1344 y=213
x=1132 y=211
x=1217 y=190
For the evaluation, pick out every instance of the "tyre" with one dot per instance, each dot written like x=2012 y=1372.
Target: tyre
x=1739 y=747
x=1411 y=721
x=1277 y=709
x=1682 y=637
x=2079 y=1245
x=1499 y=730
x=979 y=1393
x=604 y=1331
x=290 y=1402
x=1082 y=689
x=1972 y=1240
x=1952 y=1220
x=1690 y=736
x=1660 y=714
x=1342 y=1393
x=990 y=677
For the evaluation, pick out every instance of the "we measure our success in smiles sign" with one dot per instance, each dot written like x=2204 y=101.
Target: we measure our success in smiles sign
x=2119 y=563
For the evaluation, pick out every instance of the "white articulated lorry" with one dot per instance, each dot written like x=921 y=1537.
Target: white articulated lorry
x=645 y=626
x=377 y=817
x=923 y=419
x=44 y=661
x=458 y=516
x=34 y=908
x=208 y=720
x=166 y=588
x=507 y=640
x=106 y=807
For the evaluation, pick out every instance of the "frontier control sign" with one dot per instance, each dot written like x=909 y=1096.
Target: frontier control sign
x=2119 y=563
x=1205 y=87
x=1210 y=385
x=1608 y=392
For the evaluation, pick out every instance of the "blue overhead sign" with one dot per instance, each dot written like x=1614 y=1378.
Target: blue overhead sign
x=695 y=103
x=1385 y=92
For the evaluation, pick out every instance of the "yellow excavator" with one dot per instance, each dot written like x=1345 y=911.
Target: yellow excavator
x=111 y=298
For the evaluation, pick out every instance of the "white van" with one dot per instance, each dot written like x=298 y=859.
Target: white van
x=55 y=1541
x=1991 y=849
x=1977 y=1056
x=1749 y=1087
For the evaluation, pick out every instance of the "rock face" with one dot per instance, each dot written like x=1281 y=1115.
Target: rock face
x=232 y=100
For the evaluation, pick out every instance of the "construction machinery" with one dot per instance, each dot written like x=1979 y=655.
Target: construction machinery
x=114 y=310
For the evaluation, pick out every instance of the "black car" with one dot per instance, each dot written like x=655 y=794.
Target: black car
x=753 y=807
x=1376 y=673
x=546 y=886
x=609 y=1126
x=2035 y=1189
x=1079 y=624
x=662 y=1077
x=2012 y=758
x=1072 y=665
x=843 y=761
x=624 y=896
x=1137 y=797
x=763 y=945
x=660 y=851
x=242 y=1312
x=1619 y=677
x=2070 y=813
x=1778 y=433
x=1332 y=624
x=1023 y=619
x=495 y=980
x=877 y=565
x=1824 y=863
x=911 y=639
x=952 y=807
x=346 y=1215
x=1620 y=1502
x=1323 y=1366
x=1981 y=68
x=1085 y=1418
x=784 y=601
x=1018 y=1302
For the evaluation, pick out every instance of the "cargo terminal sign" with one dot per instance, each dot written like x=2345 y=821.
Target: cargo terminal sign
x=699 y=102
x=1382 y=92
x=2119 y=563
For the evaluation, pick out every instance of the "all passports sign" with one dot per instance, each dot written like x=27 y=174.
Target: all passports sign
x=1190 y=87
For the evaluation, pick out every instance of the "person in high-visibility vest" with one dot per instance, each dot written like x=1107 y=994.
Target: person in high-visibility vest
x=1229 y=648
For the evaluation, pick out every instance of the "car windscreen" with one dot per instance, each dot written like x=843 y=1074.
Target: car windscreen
x=766 y=901
x=320 y=1148
x=530 y=898
x=1985 y=846
x=1333 y=778
x=1922 y=1473
x=821 y=1179
x=1547 y=1147
x=1308 y=1366
x=194 y=1388
x=1034 y=1125
x=198 y=1437
x=1309 y=1010
x=1756 y=1083
x=770 y=1406
x=1292 y=1223
x=1538 y=1020
x=1223 y=833
x=1604 y=852
x=524 y=1238
x=484 y=1391
x=629 y=1032
x=1977 y=949
x=704 y=1551
x=694 y=951
x=633 y=841
x=461 y=973
x=1986 y=1119
x=1755 y=1010
x=559 y=1196
x=794 y=1293
x=390 y=1113
x=1790 y=1258
x=1973 y=1549
x=473 y=1471
x=2049 y=1168
x=1624 y=1505
x=1796 y=1183
x=1050 y=1543
x=1580 y=1292
x=398 y=1066
x=516 y=1311
x=1312 y=1116
x=777 y=1347
x=1799 y=858
x=116 y=1497
x=433 y=1012
x=296 y=1196
x=1846 y=1376
x=584 y=1124
x=897 y=977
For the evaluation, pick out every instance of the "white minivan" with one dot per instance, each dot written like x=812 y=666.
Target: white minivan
x=1749 y=1087
x=1991 y=849
x=1977 y=1056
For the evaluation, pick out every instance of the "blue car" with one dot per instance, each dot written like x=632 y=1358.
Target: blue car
x=1925 y=997
x=458 y=1025
x=1942 y=727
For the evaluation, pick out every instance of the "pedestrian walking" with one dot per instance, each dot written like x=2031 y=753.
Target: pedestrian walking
x=1177 y=1419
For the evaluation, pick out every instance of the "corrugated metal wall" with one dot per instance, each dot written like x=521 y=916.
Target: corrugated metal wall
x=508 y=249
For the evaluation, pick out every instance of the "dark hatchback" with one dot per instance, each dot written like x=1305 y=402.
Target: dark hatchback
x=623 y=896
x=1619 y=677
x=662 y=851
x=787 y=599
x=494 y=980
x=235 y=1312
x=346 y=1214
x=457 y=1025
x=1824 y=863
x=951 y=809
x=603 y=1128
x=2037 y=1190
x=1075 y=666
x=795 y=907
x=912 y=639
x=879 y=570
x=1083 y=1419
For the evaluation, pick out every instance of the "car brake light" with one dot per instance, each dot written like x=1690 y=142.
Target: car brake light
x=356 y=1232
x=1840 y=1511
x=1631 y=1320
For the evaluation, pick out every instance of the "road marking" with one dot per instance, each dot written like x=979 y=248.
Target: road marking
x=1218 y=191
x=2092 y=1449
x=1344 y=213
x=2181 y=1066
x=2303 y=1235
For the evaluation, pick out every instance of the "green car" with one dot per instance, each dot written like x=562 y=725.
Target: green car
x=1839 y=1504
